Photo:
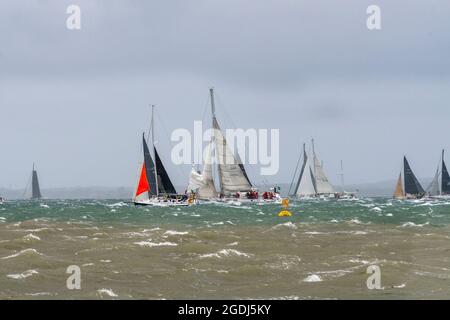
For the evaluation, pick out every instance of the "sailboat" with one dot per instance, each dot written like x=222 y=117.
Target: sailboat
x=324 y=189
x=440 y=186
x=312 y=181
x=345 y=195
x=234 y=183
x=35 y=189
x=154 y=186
x=408 y=187
x=305 y=187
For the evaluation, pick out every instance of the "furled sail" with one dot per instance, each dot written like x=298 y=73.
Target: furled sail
x=445 y=186
x=150 y=168
x=143 y=187
x=203 y=183
x=305 y=184
x=35 y=190
x=412 y=185
x=164 y=183
x=398 y=193
x=232 y=174
x=322 y=184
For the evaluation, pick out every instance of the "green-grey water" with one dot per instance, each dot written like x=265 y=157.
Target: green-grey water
x=215 y=251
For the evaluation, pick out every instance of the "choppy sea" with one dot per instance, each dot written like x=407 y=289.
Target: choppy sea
x=218 y=251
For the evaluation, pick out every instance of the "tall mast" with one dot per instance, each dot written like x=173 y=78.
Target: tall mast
x=442 y=173
x=342 y=176
x=314 y=157
x=213 y=106
x=154 y=153
x=213 y=112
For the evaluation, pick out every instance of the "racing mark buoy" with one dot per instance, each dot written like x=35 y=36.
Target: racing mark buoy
x=285 y=212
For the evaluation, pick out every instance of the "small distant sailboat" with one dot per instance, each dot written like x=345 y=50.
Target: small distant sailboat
x=345 y=195
x=35 y=189
x=440 y=186
x=154 y=185
x=312 y=181
x=408 y=187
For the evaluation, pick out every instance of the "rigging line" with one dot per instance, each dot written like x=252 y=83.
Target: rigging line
x=224 y=110
x=28 y=184
x=166 y=132
x=295 y=172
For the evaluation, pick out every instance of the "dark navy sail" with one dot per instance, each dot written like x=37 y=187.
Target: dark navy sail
x=150 y=168
x=35 y=190
x=412 y=185
x=164 y=183
x=445 y=177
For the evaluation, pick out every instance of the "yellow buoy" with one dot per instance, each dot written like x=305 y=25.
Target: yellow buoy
x=285 y=212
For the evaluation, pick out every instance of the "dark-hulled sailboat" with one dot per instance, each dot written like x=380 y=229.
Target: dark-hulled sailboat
x=440 y=186
x=408 y=186
x=154 y=186
x=35 y=189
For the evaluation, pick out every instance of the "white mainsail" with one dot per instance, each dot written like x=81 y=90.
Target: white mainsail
x=434 y=189
x=323 y=186
x=231 y=171
x=305 y=184
x=204 y=183
x=233 y=177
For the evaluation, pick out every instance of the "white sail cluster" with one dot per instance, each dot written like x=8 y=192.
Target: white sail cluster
x=203 y=183
x=231 y=172
x=312 y=180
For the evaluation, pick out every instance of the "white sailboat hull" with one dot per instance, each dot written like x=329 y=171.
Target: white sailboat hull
x=165 y=202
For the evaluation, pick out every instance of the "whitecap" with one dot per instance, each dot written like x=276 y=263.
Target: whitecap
x=286 y=224
x=156 y=244
x=31 y=237
x=22 y=275
x=118 y=204
x=312 y=278
x=108 y=292
x=412 y=224
x=174 y=233
x=25 y=251
x=226 y=253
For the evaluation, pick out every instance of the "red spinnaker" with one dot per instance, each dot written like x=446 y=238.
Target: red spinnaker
x=143 y=185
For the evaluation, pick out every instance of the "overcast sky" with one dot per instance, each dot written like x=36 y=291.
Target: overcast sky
x=76 y=102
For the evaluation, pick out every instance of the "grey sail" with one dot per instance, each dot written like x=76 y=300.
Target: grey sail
x=412 y=185
x=445 y=186
x=322 y=185
x=433 y=189
x=232 y=175
x=165 y=185
x=35 y=189
x=306 y=183
x=150 y=168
